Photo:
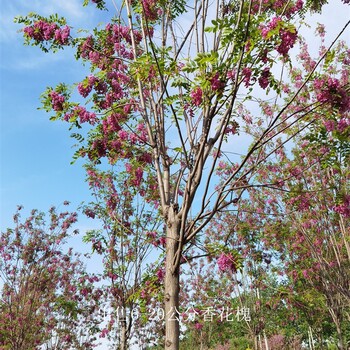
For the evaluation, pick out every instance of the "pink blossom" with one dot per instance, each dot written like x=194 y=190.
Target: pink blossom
x=150 y=9
x=128 y=167
x=162 y=241
x=216 y=83
x=104 y=332
x=84 y=115
x=288 y=39
x=330 y=125
x=90 y=213
x=160 y=274
x=226 y=262
x=57 y=101
x=146 y=158
x=343 y=124
x=197 y=96
x=151 y=234
x=305 y=274
x=231 y=74
x=343 y=208
x=123 y=135
x=272 y=25
x=330 y=90
x=86 y=86
x=198 y=326
x=138 y=176
x=247 y=73
x=62 y=35
x=264 y=78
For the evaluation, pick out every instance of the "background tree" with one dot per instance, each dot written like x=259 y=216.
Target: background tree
x=129 y=232
x=166 y=100
x=305 y=225
x=47 y=298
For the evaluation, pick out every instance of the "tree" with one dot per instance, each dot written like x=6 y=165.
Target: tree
x=305 y=224
x=166 y=99
x=125 y=241
x=47 y=298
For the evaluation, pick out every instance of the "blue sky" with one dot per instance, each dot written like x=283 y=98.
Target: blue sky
x=36 y=153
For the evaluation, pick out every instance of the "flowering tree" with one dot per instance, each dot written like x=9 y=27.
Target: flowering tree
x=47 y=298
x=129 y=233
x=305 y=224
x=166 y=100
x=305 y=228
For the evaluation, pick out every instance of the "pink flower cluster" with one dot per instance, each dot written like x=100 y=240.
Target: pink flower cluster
x=197 y=96
x=107 y=92
x=122 y=32
x=264 y=78
x=265 y=30
x=57 y=101
x=344 y=208
x=287 y=38
x=41 y=31
x=278 y=5
x=86 y=86
x=225 y=168
x=226 y=262
x=160 y=274
x=117 y=44
x=198 y=326
x=111 y=123
x=302 y=202
x=247 y=74
x=137 y=174
x=152 y=236
x=343 y=124
x=216 y=83
x=329 y=90
x=62 y=35
x=83 y=115
x=151 y=10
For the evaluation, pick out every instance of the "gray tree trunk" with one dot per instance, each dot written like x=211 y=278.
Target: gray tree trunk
x=171 y=300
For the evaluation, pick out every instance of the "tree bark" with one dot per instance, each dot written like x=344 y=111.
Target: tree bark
x=341 y=345
x=172 y=274
x=123 y=335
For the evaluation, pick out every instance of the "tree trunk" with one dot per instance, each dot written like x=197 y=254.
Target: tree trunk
x=341 y=345
x=311 y=339
x=256 y=343
x=123 y=335
x=337 y=321
x=266 y=341
x=123 y=338
x=172 y=278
